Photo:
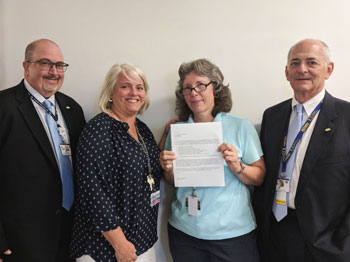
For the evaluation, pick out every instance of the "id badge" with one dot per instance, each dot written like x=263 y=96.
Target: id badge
x=65 y=150
x=193 y=205
x=62 y=131
x=155 y=198
x=63 y=134
x=281 y=198
x=282 y=185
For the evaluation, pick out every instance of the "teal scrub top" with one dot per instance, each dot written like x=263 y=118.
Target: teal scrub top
x=225 y=212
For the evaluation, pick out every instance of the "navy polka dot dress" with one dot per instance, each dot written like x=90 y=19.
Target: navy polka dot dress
x=112 y=188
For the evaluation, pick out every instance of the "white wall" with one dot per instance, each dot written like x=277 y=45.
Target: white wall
x=247 y=39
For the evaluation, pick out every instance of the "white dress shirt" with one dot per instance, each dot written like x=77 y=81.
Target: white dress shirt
x=42 y=113
x=308 y=107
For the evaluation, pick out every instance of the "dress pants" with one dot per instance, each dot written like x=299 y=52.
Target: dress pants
x=65 y=238
x=286 y=241
x=67 y=225
x=185 y=248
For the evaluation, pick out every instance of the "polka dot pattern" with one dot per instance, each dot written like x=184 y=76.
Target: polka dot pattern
x=112 y=188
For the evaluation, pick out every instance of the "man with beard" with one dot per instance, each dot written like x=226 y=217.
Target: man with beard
x=39 y=132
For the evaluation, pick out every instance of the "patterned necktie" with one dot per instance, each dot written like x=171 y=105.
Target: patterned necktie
x=63 y=160
x=280 y=211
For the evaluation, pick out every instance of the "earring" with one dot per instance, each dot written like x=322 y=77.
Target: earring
x=110 y=100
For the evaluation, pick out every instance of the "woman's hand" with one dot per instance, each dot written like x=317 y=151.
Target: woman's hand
x=252 y=174
x=166 y=159
x=229 y=153
x=125 y=251
x=7 y=252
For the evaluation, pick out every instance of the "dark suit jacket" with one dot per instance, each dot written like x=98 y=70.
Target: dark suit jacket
x=30 y=184
x=323 y=194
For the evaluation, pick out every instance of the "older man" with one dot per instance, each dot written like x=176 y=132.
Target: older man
x=303 y=207
x=39 y=131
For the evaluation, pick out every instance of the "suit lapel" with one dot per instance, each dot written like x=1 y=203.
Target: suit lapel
x=319 y=139
x=30 y=116
x=281 y=121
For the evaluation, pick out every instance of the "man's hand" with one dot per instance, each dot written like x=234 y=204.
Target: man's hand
x=7 y=252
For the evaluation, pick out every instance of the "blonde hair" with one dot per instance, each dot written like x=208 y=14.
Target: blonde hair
x=110 y=81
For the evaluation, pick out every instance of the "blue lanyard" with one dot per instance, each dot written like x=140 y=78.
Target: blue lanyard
x=54 y=116
x=285 y=157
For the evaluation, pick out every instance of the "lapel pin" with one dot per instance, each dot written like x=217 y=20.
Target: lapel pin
x=327 y=129
x=68 y=107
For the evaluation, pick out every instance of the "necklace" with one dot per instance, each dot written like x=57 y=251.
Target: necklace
x=150 y=179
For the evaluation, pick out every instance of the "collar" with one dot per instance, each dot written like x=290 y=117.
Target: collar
x=310 y=105
x=37 y=95
x=217 y=118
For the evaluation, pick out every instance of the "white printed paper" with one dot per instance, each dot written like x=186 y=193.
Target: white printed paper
x=197 y=164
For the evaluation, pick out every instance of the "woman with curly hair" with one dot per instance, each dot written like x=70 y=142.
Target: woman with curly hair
x=224 y=228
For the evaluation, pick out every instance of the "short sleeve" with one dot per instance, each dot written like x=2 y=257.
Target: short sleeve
x=251 y=147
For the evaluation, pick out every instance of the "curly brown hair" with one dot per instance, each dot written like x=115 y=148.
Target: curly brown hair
x=222 y=94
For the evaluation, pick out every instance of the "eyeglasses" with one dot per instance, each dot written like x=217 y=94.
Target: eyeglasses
x=46 y=64
x=187 y=90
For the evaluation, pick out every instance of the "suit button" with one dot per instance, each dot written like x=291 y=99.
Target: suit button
x=58 y=211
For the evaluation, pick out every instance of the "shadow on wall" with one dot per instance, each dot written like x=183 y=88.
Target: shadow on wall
x=251 y=188
x=258 y=128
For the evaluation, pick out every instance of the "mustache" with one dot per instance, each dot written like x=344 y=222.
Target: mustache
x=51 y=77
